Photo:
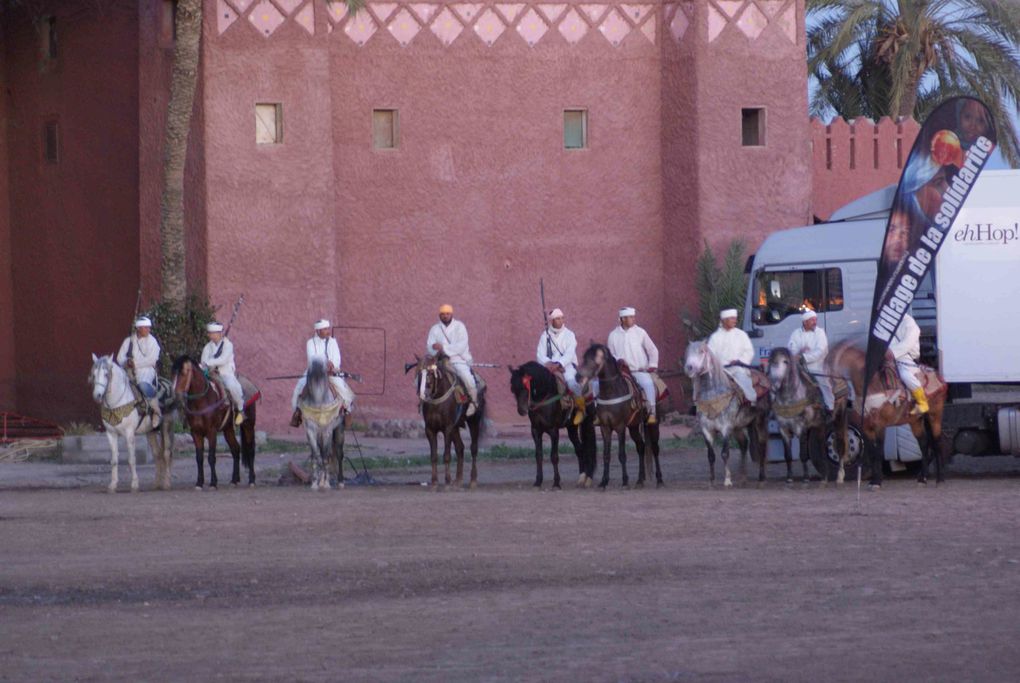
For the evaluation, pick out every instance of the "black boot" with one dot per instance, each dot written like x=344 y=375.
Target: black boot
x=295 y=420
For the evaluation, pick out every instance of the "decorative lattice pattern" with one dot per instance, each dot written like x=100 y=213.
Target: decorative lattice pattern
x=456 y=22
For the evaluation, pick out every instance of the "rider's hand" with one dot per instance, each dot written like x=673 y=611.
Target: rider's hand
x=129 y=364
x=437 y=347
x=653 y=369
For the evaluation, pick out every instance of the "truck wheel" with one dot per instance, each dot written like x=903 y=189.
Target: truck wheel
x=855 y=445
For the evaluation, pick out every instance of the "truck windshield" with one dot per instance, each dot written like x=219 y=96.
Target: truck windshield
x=781 y=294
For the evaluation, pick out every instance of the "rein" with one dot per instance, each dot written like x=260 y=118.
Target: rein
x=446 y=395
x=212 y=407
x=532 y=407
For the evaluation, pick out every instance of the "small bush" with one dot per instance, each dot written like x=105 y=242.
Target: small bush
x=719 y=286
x=180 y=332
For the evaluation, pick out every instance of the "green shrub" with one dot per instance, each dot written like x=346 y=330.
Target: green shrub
x=719 y=286
x=180 y=332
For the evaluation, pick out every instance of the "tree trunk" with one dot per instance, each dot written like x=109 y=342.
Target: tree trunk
x=183 y=78
x=909 y=99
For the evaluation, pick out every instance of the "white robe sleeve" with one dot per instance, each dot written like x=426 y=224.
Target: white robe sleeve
x=458 y=344
x=615 y=343
x=745 y=348
x=147 y=354
x=435 y=337
x=225 y=359
x=333 y=352
x=122 y=354
x=568 y=348
x=818 y=348
x=651 y=350
x=540 y=354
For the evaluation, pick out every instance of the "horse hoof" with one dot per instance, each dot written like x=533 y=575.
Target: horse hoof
x=728 y=484
x=922 y=484
x=874 y=488
x=214 y=488
x=251 y=485
x=473 y=485
x=340 y=485
x=639 y=485
x=581 y=480
x=660 y=485
x=315 y=486
x=198 y=488
x=557 y=487
x=624 y=487
x=537 y=485
x=111 y=489
x=134 y=488
x=789 y=480
x=589 y=482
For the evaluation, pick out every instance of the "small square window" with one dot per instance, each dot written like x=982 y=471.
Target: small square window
x=385 y=129
x=575 y=128
x=269 y=123
x=752 y=127
x=49 y=37
x=51 y=142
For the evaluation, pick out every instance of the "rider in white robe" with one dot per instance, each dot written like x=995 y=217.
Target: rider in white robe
x=218 y=357
x=810 y=343
x=451 y=337
x=730 y=344
x=323 y=347
x=559 y=345
x=630 y=343
x=144 y=356
x=906 y=349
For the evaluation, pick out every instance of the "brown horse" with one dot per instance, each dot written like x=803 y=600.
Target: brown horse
x=883 y=406
x=208 y=410
x=620 y=407
x=437 y=386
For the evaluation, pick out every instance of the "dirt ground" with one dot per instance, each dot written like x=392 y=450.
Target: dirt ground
x=397 y=582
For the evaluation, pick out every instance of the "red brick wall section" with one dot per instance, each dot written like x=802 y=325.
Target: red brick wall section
x=7 y=359
x=852 y=159
x=74 y=222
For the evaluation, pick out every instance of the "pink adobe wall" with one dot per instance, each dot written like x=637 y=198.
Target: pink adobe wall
x=481 y=199
x=155 y=58
x=851 y=159
x=7 y=358
x=73 y=223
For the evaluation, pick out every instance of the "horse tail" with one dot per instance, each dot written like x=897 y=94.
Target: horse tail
x=480 y=415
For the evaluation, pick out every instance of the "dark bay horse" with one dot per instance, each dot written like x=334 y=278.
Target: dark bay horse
x=437 y=386
x=887 y=404
x=538 y=396
x=620 y=407
x=723 y=412
x=799 y=409
x=208 y=410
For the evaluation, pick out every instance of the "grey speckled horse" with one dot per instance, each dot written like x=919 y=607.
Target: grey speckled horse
x=323 y=417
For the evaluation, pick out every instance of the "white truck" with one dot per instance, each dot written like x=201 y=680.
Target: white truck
x=968 y=308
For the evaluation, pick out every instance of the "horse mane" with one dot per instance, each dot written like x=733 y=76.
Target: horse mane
x=316 y=371
x=180 y=361
x=543 y=380
x=793 y=378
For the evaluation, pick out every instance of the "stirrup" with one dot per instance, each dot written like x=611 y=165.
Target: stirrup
x=239 y=417
x=651 y=419
x=295 y=419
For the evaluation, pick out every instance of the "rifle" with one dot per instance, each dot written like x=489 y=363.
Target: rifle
x=131 y=335
x=233 y=316
x=545 y=319
x=346 y=375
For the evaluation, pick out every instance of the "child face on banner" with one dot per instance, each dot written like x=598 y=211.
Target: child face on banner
x=973 y=122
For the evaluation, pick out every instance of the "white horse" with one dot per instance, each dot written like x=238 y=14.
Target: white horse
x=117 y=404
x=723 y=412
x=323 y=417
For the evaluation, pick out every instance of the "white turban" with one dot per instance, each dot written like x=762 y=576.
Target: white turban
x=556 y=313
x=143 y=322
x=807 y=315
x=214 y=327
x=322 y=325
x=627 y=311
x=727 y=313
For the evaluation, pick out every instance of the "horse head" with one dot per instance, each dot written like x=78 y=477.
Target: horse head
x=781 y=367
x=100 y=376
x=431 y=372
x=698 y=359
x=530 y=383
x=594 y=363
x=181 y=374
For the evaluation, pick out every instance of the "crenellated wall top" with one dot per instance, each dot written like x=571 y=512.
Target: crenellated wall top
x=530 y=23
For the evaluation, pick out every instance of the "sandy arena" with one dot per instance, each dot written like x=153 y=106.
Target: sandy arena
x=396 y=582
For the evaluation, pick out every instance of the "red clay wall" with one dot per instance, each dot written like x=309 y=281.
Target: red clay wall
x=7 y=359
x=481 y=199
x=73 y=223
x=850 y=160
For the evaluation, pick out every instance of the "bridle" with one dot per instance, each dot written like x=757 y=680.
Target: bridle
x=432 y=370
x=532 y=406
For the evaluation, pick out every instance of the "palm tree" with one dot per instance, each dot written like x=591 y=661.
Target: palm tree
x=184 y=76
x=899 y=58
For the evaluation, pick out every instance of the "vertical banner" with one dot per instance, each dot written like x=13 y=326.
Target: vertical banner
x=951 y=149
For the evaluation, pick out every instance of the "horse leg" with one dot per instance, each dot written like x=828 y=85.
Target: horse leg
x=315 y=454
x=166 y=453
x=743 y=439
x=248 y=449
x=711 y=457
x=574 y=435
x=652 y=432
x=155 y=441
x=458 y=444
x=554 y=456
x=874 y=447
x=622 y=457
x=727 y=480
x=111 y=436
x=433 y=438
x=211 y=457
x=450 y=434
x=474 y=427
x=805 y=451
x=787 y=453
x=536 y=436
x=129 y=437
x=199 y=441
x=639 y=446
x=338 y=454
x=921 y=430
x=607 y=447
x=235 y=450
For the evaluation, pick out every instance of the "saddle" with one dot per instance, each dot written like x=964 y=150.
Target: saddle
x=460 y=394
x=249 y=392
x=566 y=395
x=895 y=392
x=661 y=390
